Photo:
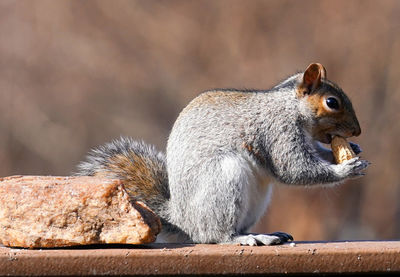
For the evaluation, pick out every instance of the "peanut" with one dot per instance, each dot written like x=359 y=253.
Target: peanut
x=341 y=150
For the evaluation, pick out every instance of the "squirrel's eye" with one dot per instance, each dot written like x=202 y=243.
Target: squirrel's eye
x=332 y=103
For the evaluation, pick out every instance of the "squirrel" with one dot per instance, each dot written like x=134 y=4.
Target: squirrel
x=226 y=150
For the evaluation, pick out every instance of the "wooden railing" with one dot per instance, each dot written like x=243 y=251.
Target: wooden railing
x=174 y=259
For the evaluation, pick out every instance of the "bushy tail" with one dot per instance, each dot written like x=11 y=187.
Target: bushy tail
x=141 y=166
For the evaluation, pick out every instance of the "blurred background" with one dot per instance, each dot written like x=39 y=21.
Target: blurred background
x=76 y=74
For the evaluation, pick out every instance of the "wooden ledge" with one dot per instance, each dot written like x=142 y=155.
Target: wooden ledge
x=161 y=259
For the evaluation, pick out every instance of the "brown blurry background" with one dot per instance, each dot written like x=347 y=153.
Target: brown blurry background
x=76 y=74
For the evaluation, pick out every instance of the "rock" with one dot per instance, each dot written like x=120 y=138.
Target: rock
x=38 y=211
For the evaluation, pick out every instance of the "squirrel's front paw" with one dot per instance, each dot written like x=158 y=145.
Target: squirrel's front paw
x=262 y=239
x=352 y=168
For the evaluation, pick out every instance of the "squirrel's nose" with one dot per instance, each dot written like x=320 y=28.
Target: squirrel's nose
x=357 y=131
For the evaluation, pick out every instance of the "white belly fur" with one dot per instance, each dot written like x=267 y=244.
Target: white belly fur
x=259 y=196
x=256 y=188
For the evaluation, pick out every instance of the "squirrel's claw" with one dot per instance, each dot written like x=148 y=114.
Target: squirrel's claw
x=355 y=147
x=352 y=168
x=284 y=236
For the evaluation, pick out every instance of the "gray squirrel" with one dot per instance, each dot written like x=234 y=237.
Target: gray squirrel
x=225 y=151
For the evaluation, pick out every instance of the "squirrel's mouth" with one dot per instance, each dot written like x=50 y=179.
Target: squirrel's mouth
x=325 y=138
x=328 y=138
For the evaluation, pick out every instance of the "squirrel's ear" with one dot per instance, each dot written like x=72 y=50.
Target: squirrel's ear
x=312 y=77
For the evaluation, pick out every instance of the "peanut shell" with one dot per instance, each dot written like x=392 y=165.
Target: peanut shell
x=341 y=150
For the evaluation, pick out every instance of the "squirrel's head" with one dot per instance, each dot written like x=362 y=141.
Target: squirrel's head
x=326 y=108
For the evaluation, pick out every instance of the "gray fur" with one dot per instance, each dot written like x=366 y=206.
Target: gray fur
x=98 y=158
x=221 y=152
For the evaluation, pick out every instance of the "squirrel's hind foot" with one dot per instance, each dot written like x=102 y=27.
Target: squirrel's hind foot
x=262 y=239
